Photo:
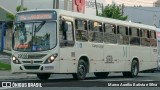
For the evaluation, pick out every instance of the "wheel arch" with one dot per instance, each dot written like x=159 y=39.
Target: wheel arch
x=86 y=59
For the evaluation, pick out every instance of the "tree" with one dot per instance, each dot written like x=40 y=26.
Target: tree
x=112 y=11
x=18 y=8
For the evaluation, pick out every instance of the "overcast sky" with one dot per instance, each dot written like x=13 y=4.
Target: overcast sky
x=147 y=3
x=33 y=4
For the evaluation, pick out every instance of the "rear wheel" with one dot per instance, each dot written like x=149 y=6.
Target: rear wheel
x=81 y=70
x=43 y=76
x=101 y=74
x=134 y=70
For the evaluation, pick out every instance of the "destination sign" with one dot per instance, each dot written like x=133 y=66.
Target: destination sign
x=36 y=16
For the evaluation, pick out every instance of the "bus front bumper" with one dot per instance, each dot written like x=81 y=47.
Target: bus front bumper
x=35 y=68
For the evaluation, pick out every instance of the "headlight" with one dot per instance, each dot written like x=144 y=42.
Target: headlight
x=15 y=60
x=51 y=58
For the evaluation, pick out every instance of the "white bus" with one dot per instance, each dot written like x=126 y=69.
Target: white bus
x=49 y=42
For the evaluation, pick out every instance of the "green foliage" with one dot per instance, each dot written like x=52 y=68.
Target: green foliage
x=112 y=11
x=10 y=16
x=18 y=8
x=4 y=66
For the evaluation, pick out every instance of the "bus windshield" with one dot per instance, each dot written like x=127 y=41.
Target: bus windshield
x=34 y=36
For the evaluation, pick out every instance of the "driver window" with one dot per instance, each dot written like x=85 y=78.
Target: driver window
x=22 y=33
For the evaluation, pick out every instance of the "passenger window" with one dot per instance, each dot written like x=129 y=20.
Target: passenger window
x=95 y=31
x=109 y=28
x=110 y=33
x=123 y=37
x=81 y=30
x=153 y=34
x=134 y=36
x=145 y=41
x=153 y=40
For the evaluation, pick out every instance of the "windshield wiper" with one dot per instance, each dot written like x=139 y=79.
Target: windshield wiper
x=40 y=26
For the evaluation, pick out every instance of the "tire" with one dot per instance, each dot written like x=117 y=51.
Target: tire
x=81 y=70
x=134 y=70
x=43 y=76
x=101 y=74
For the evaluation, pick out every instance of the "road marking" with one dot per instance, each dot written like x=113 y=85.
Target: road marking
x=2 y=88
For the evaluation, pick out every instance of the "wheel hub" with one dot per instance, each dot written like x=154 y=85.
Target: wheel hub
x=81 y=70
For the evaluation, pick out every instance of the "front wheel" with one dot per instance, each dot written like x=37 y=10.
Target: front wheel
x=81 y=70
x=43 y=76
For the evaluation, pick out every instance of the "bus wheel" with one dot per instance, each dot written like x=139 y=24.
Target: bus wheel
x=43 y=76
x=101 y=74
x=81 y=71
x=134 y=69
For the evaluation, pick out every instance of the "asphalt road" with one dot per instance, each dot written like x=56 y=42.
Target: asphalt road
x=66 y=82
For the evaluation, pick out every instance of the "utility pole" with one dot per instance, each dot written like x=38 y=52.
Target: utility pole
x=102 y=8
x=122 y=8
x=96 y=7
x=57 y=4
x=54 y=2
x=22 y=2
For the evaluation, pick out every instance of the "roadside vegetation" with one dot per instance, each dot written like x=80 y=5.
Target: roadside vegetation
x=4 y=66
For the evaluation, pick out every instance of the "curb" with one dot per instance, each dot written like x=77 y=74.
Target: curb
x=8 y=75
x=18 y=77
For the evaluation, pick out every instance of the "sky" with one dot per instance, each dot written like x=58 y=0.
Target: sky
x=146 y=3
x=33 y=4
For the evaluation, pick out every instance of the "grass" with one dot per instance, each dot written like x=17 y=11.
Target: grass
x=4 y=66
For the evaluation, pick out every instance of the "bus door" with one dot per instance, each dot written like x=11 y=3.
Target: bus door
x=66 y=42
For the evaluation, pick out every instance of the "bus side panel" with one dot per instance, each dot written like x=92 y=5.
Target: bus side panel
x=94 y=52
x=115 y=57
x=96 y=56
x=143 y=56
x=154 y=55
x=67 y=60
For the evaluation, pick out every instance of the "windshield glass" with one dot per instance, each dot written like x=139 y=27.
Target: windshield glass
x=34 y=36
